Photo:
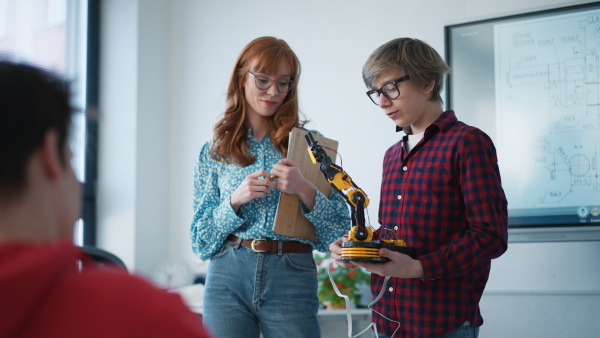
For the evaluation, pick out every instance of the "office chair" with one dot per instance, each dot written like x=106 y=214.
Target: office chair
x=102 y=258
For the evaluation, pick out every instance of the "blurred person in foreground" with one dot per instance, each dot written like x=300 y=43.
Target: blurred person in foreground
x=43 y=293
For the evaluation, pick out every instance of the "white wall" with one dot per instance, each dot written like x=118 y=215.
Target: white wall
x=165 y=66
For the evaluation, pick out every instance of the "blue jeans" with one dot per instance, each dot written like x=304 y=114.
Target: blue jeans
x=465 y=331
x=246 y=292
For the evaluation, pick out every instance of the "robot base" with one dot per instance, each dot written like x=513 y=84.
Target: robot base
x=369 y=251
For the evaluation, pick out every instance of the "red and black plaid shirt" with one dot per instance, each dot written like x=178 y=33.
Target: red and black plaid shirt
x=445 y=198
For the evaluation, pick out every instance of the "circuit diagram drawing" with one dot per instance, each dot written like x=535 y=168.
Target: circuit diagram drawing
x=548 y=110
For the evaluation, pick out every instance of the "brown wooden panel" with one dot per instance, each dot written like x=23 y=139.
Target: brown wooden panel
x=289 y=220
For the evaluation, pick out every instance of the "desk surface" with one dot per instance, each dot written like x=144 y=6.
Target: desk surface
x=341 y=314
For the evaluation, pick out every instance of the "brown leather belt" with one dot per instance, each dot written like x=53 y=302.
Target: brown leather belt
x=266 y=245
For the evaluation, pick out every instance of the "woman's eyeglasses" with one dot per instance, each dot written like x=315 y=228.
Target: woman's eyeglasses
x=265 y=82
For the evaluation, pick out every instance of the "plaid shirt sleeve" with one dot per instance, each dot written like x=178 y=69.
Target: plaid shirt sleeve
x=485 y=211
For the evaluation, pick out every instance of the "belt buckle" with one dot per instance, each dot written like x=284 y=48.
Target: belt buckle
x=254 y=242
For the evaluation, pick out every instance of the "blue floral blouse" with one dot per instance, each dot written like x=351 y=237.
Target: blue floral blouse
x=214 y=218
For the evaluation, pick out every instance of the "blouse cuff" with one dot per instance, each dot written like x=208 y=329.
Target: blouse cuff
x=320 y=199
x=229 y=219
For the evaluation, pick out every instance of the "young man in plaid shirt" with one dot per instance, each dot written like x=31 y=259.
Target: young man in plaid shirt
x=440 y=192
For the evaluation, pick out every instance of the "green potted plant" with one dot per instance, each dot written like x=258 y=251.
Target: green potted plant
x=348 y=282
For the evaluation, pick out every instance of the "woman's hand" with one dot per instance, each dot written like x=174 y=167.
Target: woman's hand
x=289 y=180
x=255 y=185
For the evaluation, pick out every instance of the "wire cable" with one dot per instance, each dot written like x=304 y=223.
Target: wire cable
x=370 y=306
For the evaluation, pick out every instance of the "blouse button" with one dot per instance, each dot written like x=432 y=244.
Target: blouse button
x=405 y=168
x=391 y=289
x=399 y=197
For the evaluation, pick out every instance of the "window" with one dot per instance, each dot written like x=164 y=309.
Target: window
x=62 y=36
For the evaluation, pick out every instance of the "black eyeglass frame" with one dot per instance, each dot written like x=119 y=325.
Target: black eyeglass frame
x=291 y=83
x=380 y=91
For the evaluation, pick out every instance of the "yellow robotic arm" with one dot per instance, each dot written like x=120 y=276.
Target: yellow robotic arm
x=360 y=245
x=343 y=184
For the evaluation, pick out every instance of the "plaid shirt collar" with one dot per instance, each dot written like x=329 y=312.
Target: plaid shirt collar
x=442 y=123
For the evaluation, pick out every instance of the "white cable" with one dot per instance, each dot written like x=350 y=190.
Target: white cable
x=348 y=309
x=346 y=299
x=370 y=306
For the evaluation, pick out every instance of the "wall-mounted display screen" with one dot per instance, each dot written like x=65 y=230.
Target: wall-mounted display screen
x=532 y=82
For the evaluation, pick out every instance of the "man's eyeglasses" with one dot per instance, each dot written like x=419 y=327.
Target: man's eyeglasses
x=265 y=82
x=389 y=90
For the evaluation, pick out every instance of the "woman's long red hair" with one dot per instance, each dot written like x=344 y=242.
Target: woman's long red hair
x=263 y=54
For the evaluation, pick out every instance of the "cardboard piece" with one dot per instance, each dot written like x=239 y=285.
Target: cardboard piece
x=289 y=220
